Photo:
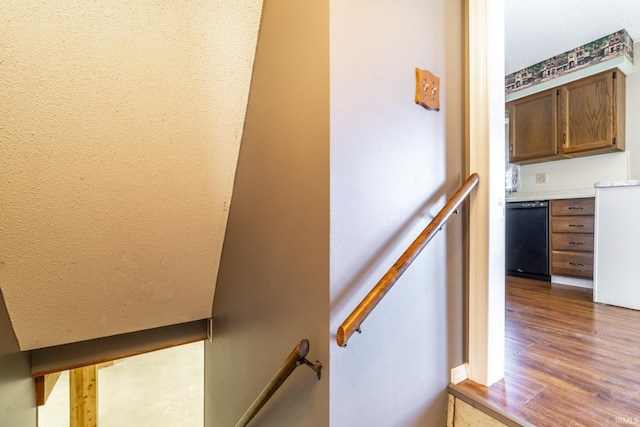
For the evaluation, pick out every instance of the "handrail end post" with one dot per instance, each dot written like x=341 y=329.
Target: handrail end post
x=341 y=338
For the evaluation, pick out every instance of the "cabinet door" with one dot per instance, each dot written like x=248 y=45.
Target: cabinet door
x=533 y=128
x=586 y=114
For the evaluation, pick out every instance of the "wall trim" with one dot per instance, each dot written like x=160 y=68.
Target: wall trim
x=91 y=352
x=485 y=339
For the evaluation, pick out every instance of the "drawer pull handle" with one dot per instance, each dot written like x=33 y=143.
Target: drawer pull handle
x=577 y=264
x=576 y=225
x=576 y=243
x=575 y=208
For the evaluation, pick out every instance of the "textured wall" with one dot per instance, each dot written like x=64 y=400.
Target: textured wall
x=17 y=390
x=119 y=132
x=273 y=286
x=393 y=165
x=633 y=111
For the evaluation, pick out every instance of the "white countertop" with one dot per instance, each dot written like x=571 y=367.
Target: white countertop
x=606 y=184
x=568 y=194
x=565 y=194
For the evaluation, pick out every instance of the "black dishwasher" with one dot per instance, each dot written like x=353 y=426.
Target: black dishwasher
x=527 y=240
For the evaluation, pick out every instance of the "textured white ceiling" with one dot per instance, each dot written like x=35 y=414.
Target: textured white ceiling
x=539 y=29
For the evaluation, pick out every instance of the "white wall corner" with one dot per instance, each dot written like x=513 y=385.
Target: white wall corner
x=485 y=155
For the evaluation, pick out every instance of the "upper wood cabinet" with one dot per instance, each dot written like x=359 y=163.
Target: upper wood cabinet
x=580 y=118
x=533 y=128
x=592 y=114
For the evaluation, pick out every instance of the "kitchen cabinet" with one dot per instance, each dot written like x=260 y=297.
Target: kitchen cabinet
x=580 y=118
x=571 y=237
x=592 y=112
x=533 y=129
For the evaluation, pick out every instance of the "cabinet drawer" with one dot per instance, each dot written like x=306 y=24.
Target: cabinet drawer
x=572 y=224
x=572 y=242
x=572 y=207
x=572 y=264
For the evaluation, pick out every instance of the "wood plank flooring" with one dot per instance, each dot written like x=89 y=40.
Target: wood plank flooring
x=569 y=361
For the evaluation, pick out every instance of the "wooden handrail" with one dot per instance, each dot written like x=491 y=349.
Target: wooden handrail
x=295 y=359
x=366 y=306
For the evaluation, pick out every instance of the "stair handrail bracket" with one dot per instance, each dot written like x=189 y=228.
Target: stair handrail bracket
x=295 y=359
x=352 y=323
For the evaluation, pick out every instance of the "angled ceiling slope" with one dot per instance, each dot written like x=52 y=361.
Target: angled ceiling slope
x=121 y=127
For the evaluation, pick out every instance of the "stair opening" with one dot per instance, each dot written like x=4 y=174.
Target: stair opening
x=161 y=388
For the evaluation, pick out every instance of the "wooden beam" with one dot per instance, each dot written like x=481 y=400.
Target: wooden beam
x=44 y=386
x=83 y=393
x=91 y=352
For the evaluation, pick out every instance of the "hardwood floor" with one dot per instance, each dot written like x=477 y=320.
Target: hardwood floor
x=569 y=361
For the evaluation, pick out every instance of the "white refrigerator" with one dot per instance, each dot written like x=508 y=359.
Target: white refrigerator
x=616 y=275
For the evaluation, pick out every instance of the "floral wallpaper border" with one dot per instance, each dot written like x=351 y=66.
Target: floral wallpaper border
x=603 y=49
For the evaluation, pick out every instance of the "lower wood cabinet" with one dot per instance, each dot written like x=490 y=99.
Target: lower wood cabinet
x=571 y=237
